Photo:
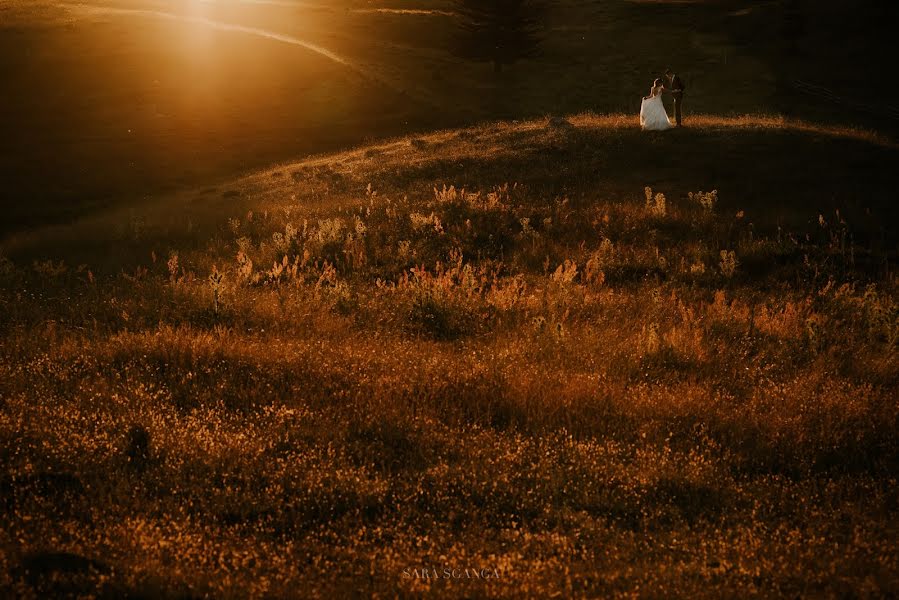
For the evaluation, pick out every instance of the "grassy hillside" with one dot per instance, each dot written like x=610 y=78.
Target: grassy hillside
x=103 y=110
x=332 y=375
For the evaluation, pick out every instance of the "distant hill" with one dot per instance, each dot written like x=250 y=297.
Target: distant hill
x=103 y=109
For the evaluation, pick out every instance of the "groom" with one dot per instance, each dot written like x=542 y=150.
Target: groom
x=676 y=87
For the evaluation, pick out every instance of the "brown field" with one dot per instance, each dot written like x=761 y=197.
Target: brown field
x=326 y=377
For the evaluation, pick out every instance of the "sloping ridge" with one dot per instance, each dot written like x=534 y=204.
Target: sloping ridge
x=769 y=166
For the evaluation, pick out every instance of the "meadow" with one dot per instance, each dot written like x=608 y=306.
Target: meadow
x=546 y=358
x=105 y=109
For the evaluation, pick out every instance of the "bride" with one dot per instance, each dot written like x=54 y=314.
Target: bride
x=652 y=112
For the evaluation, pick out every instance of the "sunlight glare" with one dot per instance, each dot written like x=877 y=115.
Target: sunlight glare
x=199 y=8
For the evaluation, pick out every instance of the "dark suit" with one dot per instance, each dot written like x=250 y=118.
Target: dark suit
x=676 y=87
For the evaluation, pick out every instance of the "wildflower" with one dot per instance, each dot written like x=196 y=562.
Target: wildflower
x=216 y=279
x=290 y=233
x=601 y=258
x=566 y=272
x=656 y=205
x=421 y=222
x=706 y=200
x=651 y=340
x=172 y=265
x=330 y=230
x=244 y=266
x=526 y=228
x=360 y=227
x=728 y=263
x=279 y=242
x=244 y=244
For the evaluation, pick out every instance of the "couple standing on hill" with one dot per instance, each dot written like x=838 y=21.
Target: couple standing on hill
x=652 y=112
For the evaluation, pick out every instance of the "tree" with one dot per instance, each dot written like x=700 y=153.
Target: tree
x=499 y=31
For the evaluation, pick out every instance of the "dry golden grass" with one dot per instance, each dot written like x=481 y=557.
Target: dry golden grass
x=300 y=384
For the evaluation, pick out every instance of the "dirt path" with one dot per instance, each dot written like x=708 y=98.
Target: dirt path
x=218 y=25
x=365 y=71
x=420 y=12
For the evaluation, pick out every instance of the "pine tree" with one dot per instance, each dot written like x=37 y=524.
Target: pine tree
x=501 y=32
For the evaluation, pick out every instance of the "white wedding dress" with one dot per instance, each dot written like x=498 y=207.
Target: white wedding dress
x=652 y=112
